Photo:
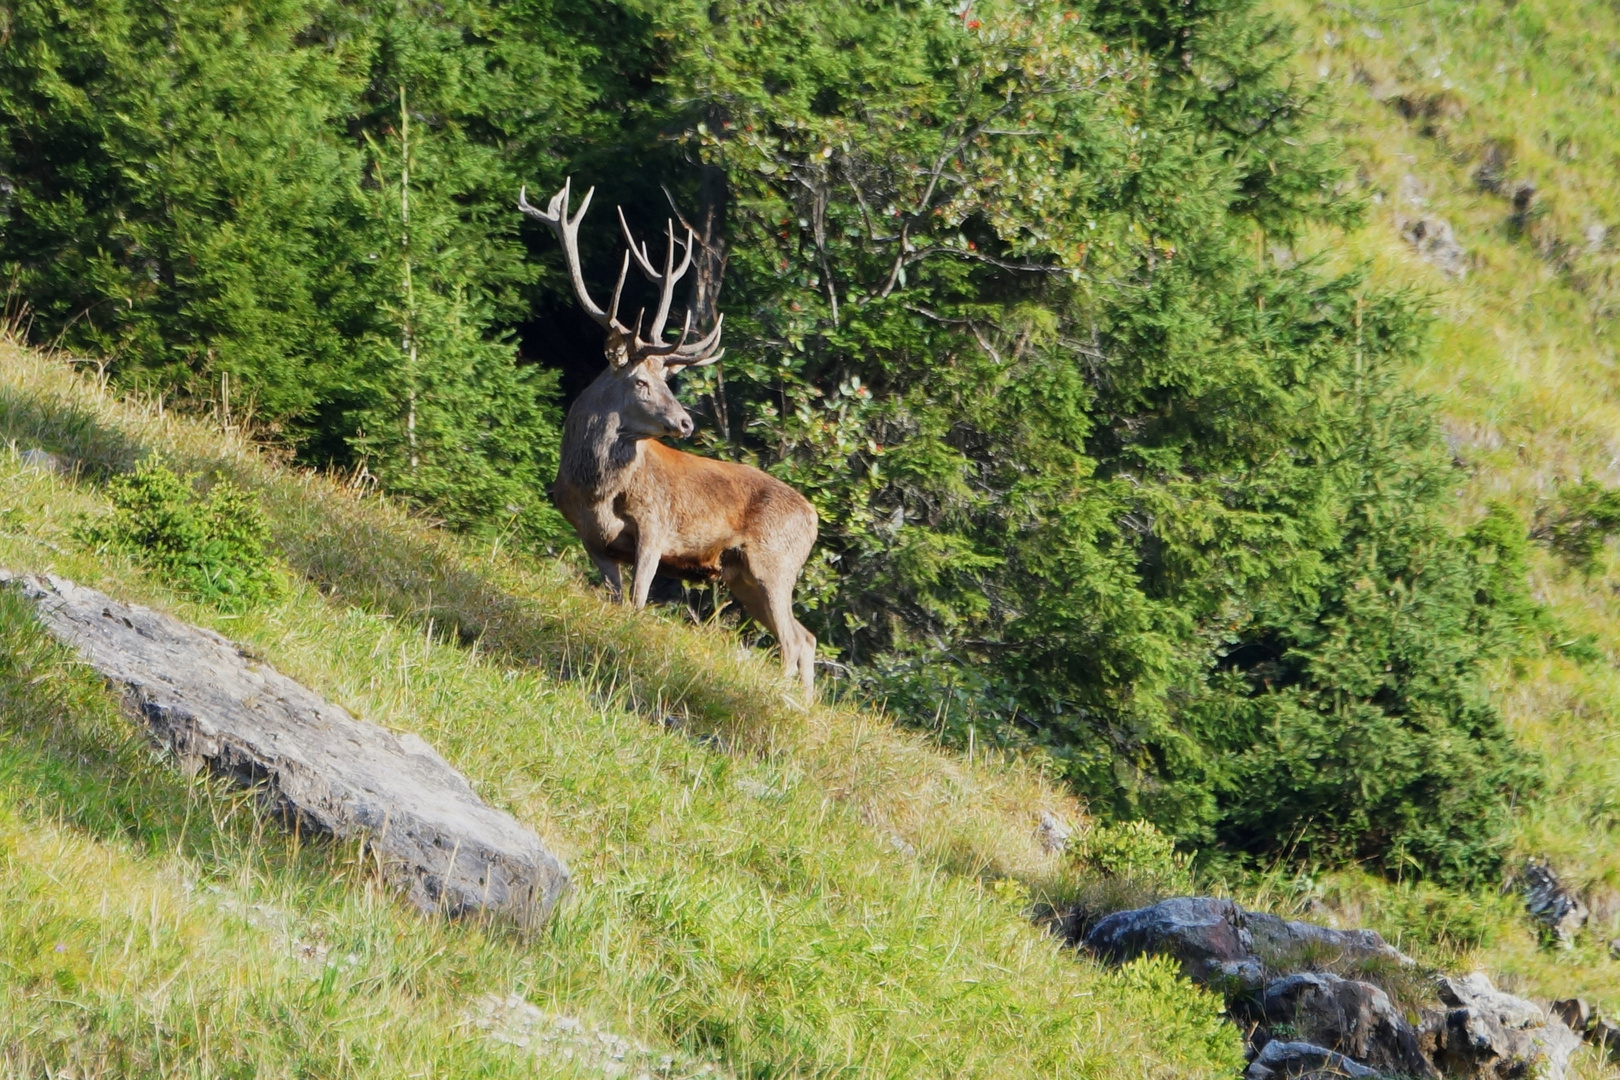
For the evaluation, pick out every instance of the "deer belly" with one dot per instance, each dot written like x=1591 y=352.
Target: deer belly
x=699 y=566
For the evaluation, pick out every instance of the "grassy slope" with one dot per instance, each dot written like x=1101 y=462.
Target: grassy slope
x=781 y=891
x=1523 y=374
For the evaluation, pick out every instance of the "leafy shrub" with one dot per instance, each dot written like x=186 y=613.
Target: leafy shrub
x=1185 y=1013
x=1579 y=521
x=215 y=546
x=1131 y=849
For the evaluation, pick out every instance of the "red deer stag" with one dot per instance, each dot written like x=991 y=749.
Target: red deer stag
x=634 y=500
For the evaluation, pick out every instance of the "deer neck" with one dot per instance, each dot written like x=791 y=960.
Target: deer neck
x=597 y=455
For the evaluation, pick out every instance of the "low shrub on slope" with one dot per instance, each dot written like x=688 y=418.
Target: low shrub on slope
x=780 y=892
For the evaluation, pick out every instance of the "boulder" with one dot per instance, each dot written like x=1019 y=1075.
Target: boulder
x=315 y=767
x=1218 y=942
x=1353 y=1018
x=1288 y=944
x=1484 y=1034
x=1280 y=1060
x=1559 y=911
x=1204 y=934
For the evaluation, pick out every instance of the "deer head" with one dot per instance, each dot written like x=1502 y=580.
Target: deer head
x=641 y=364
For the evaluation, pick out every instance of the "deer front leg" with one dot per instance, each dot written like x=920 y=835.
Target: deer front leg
x=609 y=570
x=648 y=549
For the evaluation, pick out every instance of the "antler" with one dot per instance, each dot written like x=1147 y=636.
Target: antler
x=676 y=355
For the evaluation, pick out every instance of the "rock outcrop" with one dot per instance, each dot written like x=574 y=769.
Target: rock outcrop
x=316 y=767
x=1217 y=942
x=1353 y=1018
x=1484 y=1034
x=1304 y=1021
x=1279 y=1060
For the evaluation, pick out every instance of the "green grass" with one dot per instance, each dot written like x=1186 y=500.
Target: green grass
x=772 y=890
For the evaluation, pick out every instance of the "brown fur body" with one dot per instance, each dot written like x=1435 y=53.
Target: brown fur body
x=637 y=502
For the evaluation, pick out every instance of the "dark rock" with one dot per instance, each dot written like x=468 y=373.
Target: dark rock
x=1605 y=1035
x=1218 y=942
x=1575 y=1012
x=1353 y=1018
x=1303 y=1061
x=1203 y=933
x=315 y=766
x=1484 y=1034
x=1559 y=911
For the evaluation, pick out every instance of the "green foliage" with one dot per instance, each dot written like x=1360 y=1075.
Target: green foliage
x=1188 y=1014
x=1579 y=522
x=211 y=199
x=1136 y=852
x=1097 y=474
x=214 y=546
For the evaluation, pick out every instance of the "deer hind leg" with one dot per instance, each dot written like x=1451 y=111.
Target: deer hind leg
x=771 y=603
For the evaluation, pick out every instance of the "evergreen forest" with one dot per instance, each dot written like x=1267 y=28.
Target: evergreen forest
x=1108 y=475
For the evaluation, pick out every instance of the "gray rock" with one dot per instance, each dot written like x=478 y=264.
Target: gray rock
x=1484 y=1034
x=1052 y=833
x=1218 y=942
x=1559 y=911
x=1353 y=1018
x=44 y=461
x=1286 y=944
x=1436 y=242
x=1203 y=933
x=314 y=765
x=1303 y=1061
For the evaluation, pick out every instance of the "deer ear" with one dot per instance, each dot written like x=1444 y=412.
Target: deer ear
x=617 y=350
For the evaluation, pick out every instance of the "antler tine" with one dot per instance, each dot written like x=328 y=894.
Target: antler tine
x=556 y=217
x=618 y=289
x=700 y=353
x=666 y=280
x=638 y=250
x=666 y=285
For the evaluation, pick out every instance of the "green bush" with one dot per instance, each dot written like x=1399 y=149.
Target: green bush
x=1131 y=849
x=1579 y=521
x=1185 y=1013
x=216 y=547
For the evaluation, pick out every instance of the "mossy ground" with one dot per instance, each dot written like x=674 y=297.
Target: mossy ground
x=775 y=890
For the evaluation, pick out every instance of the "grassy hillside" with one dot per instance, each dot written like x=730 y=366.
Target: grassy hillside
x=761 y=889
x=1457 y=111
x=765 y=890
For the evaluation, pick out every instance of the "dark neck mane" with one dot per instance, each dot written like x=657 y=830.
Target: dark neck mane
x=596 y=457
